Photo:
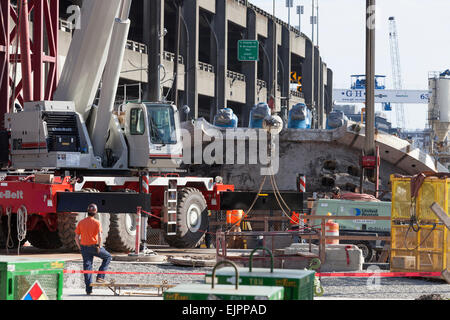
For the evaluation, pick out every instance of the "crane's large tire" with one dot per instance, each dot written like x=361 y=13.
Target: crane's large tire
x=122 y=233
x=192 y=219
x=2 y=236
x=44 y=239
x=67 y=223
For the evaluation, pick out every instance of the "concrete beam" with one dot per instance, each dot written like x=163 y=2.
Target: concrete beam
x=237 y=13
x=262 y=25
x=298 y=45
x=207 y=5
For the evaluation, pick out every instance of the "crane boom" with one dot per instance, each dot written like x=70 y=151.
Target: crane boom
x=111 y=77
x=396 y=70
x=87 y=55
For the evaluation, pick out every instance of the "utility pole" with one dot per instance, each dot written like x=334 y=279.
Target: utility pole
x=274 y=59
x=317 y=23
x=371 y=157
x=313 y=103
x=300 y=11
x=370 y=78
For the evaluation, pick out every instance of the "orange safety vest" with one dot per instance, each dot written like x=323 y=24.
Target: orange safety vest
x=295 y=219
x=234 y=216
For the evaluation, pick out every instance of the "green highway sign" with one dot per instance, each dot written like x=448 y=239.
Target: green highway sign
x=248 y=50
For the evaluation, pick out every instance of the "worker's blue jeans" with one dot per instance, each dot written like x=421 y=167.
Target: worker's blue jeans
x=88 y=253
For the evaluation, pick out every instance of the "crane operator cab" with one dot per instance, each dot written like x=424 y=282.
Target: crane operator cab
x=153 y=134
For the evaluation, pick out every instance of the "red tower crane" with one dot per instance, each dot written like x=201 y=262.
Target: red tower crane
x=34 y=49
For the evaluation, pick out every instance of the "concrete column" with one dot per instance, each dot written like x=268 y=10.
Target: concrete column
x=220 y=55
x=153 y=31
x=317 y=87
x=272 y=52
x=329 y=92
x=321 y=94
x=250 y=70
x=191 y=54
x=308 y=75
x=285 y=55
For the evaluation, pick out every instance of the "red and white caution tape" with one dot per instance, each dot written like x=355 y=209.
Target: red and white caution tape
x=320 y=274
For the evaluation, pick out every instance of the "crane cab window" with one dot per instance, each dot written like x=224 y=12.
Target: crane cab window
x=137 y=122
x=162 y=124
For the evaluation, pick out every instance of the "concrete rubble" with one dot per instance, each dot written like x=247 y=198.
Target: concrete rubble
x=328 y=158
x=338 y=258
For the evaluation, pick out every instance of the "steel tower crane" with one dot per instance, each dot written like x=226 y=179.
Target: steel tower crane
x=396 y=69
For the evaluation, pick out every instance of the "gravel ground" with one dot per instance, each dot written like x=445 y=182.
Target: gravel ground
x=76 y=281
x=384 y=288
x=335 y=288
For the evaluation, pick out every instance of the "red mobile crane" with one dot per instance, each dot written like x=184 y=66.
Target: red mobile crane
x=67 y=152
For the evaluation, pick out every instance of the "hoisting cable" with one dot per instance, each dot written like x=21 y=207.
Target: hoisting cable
x=415 y=226
x=280 y=200
x=251 y=206
x=9 y=241
x=22 y=216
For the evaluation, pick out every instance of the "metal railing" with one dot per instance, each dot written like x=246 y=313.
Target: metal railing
x=137 y=46
x=243 y=2
x=169 y=56
x=297 y=94
x=66 y=26
x=206 y=67
x=315 y=234
x=261 y=84
x=236 y=76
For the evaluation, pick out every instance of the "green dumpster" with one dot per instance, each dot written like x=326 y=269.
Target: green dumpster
x=31 y=279
x=223 y=292
x=298 y=284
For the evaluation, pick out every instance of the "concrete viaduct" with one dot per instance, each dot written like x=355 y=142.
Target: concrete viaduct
x=210 y=76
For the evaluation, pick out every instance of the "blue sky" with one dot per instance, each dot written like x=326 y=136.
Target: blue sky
x=423 y=29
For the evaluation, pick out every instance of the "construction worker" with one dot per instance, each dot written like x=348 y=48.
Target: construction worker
x=88 y=239
x=295 y=226
x=234 y=219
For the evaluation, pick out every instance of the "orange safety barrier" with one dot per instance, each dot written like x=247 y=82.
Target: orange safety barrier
x=332 y=229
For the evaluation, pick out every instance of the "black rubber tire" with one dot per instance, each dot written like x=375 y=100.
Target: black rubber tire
x=2 y=236
x=44 y=239
x=122 y=233
x=189 y=235
x=366 y=249
x=67 y=223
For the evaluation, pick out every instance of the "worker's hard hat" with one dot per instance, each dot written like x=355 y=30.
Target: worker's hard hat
x=92 y=208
